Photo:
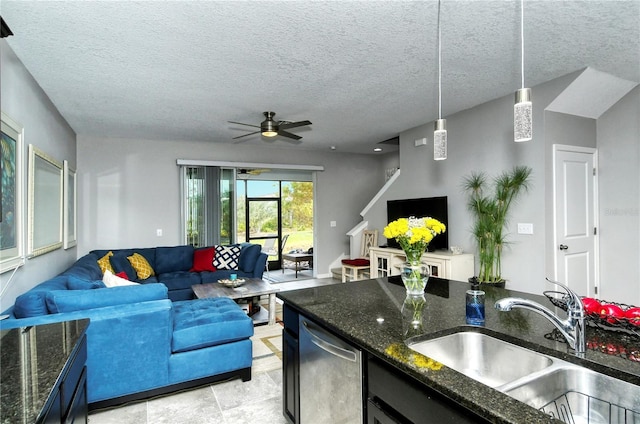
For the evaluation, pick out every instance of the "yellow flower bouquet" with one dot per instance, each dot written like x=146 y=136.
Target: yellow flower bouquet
x=414 y=235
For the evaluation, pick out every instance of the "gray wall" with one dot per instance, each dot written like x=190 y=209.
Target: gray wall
x=619 y=197
x=481 y=139
x=130 y=188
x=25 y=102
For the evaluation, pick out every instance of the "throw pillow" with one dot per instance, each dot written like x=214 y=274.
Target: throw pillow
x=120 y=264
x=226 y=257
x=203 y=259
x=141 y=265
x=111 y=280
x=104 y=263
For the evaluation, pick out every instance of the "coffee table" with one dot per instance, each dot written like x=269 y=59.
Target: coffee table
x=253 y=287
x=297 y=258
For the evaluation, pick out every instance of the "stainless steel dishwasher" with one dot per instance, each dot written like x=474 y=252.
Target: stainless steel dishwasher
x=330 y=377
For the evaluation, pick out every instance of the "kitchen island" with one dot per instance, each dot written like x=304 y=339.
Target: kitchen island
x=367 y=314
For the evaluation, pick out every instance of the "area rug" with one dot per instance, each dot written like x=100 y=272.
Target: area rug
x=267 y=348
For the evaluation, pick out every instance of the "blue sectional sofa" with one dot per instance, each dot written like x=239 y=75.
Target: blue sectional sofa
x=141 y=343
x=172 y=266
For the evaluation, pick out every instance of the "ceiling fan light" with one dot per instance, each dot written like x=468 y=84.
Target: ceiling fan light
x=268 y=127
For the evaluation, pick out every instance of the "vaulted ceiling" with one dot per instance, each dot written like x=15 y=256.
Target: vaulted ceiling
x=361 y=71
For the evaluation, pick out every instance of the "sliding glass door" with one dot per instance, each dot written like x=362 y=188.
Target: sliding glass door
x=267 y=207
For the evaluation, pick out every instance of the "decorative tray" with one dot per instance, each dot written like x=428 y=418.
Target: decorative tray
x=559 y=299
x=232 y=283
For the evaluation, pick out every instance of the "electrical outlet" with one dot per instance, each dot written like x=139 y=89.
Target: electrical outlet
x=525 y=228
x=333 y=223
x=159 y=232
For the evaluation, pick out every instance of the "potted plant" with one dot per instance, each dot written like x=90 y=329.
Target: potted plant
x=490 y=212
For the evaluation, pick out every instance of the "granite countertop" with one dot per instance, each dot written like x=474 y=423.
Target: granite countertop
x=368 y=313
x=31 y=360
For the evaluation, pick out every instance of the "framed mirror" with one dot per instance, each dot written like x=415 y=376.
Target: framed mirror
x=44 y=203
x=69 y=201
x=11 y=189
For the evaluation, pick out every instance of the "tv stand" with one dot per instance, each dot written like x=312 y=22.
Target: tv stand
x=386 y=261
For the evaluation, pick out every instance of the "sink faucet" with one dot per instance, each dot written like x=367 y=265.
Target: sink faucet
x=573 y=328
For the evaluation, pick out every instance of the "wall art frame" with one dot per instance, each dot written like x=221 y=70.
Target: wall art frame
x=11 y=194
x=44 y=203
x=70 y=198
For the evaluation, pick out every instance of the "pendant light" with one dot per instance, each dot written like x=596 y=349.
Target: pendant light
x=440 y=130
x=523 y=109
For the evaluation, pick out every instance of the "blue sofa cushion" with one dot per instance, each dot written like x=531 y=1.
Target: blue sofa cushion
x=179 y=279
x=33 y=303
x=169 y=259
x=86 y=268
x=77 y=300
x=248 y=257
x=76 y=283
x=208 y=322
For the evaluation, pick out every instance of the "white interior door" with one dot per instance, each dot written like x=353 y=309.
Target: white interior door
x=575 y=218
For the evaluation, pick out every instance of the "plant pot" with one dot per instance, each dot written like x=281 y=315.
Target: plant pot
x=500 y=284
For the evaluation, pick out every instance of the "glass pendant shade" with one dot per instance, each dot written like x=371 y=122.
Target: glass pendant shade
x=523 y=116
x=440 y=140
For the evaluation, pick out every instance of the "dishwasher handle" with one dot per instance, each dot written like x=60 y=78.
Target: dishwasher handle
x=328 y=346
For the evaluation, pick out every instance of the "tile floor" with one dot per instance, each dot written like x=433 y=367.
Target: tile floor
x=256 y=401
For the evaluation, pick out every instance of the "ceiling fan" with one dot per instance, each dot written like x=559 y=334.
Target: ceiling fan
x=259 y=171
x=271 y=128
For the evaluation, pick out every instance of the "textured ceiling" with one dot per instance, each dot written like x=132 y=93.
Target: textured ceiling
x=361 y=71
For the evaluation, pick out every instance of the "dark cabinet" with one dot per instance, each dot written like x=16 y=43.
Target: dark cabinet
x=394 y=397
x=48 y=363
x=290 y=366
x=390 y=395
x=68 y=400
x=376 y=414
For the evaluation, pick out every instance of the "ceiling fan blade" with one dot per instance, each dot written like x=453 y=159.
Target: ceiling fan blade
x=288 y=125
x=240 y=123
x=289 y=135
x=245 y=135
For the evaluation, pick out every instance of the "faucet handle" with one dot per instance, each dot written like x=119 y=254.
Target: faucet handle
x=574 y=300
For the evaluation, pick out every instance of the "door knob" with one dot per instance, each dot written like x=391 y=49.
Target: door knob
x=563 y=247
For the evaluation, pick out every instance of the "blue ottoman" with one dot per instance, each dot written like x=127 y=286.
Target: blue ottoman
x=200 y=323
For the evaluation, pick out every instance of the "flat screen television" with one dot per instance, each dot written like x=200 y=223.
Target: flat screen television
x=435 y=207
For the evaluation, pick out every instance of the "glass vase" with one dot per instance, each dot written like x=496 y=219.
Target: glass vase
x=414 y=277
x=413 y=310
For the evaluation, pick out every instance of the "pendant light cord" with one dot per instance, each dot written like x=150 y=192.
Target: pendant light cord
x=522 y=39
x=440 y=66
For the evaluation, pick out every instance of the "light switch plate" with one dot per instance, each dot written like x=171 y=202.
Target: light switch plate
x=525 y=228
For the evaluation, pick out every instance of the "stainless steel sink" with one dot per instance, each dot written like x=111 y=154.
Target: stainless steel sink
x=566 y=391
x=486 y=359
x=575 y=394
